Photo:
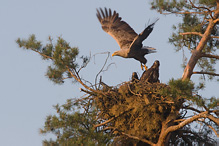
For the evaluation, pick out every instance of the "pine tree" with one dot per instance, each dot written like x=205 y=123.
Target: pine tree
x=141 y=111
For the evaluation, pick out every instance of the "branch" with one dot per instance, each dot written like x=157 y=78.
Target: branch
x=196 y=33
x=200 y=8
x=185 y=122
x=104 y=123
x=101 y=70
x=208 y=73
x=216 y=20
x=212 y=128
x=215 y=37
x=193 y=109
x=137 y=138
x=185 y=12
x=193 y=33
x=209 y=56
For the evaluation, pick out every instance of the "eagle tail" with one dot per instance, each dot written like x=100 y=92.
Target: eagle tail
x=149 y=49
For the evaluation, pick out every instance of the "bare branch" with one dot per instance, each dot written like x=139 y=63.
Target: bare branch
x=209 y=56
x=196 y=33
x=101 y=70
x=212 y=128
x=201 y=8
x=193 y=33
x=208 y=73
x=216 y=20
x=137 y=138
x=215 y=37
x=104 y=123
x=193 y=109
x=185 y=122
x=185 y=12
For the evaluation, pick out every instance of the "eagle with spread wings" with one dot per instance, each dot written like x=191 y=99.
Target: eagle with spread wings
x=129 y=41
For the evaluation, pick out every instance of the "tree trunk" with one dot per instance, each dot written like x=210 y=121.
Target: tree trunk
x=196 y=54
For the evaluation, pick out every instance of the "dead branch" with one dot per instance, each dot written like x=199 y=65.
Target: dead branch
x=101 y=70
x=208 y=73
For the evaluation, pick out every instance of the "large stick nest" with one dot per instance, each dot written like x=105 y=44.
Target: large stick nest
x=137 y=107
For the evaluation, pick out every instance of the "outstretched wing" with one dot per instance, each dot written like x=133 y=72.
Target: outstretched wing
x=114 y=26
x=142 y=36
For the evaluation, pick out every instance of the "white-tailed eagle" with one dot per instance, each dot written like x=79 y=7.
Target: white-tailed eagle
x=129 y=41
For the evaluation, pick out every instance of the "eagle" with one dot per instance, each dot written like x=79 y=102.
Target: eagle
x=129 y=41
x=152 y=74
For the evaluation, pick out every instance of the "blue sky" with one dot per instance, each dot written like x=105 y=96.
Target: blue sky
x=27 y=96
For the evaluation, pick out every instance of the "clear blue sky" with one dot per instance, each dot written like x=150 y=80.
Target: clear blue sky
x=27 y=96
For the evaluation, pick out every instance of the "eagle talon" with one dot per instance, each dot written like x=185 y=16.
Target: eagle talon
x=146 y=68
x=142 y=67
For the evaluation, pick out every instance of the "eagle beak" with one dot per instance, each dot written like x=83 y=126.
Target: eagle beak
x=113 y=54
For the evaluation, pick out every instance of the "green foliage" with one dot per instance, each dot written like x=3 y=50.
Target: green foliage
x=62 y=55
x=193 y=20
x=73 y=125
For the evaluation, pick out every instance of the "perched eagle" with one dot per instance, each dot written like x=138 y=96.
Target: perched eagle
x=129 y=41
x=152 y=74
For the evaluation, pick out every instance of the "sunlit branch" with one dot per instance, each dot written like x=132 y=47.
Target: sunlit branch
x=216 y=20
x=208 y=73
x=186 y=12
x=191 y=33
x=187 y=121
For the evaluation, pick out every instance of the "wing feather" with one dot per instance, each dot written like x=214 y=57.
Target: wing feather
x=142 y=36
x=119 y=30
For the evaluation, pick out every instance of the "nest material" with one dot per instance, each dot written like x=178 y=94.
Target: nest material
x=138 y=106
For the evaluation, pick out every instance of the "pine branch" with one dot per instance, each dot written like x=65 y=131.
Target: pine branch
x=196 y=33
x=185 y=12
x=193 y=33
x=212 y=128
x=209 y=56
x=104 y=123
x=186 y=122
x=216 y=20
x=201 y=8
x=208 y=73
x=137 y=138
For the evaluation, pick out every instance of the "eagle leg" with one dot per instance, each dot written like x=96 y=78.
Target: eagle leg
x=144 y=67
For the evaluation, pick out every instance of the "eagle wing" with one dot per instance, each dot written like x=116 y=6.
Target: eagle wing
x=114 y=26
x=137 y=42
